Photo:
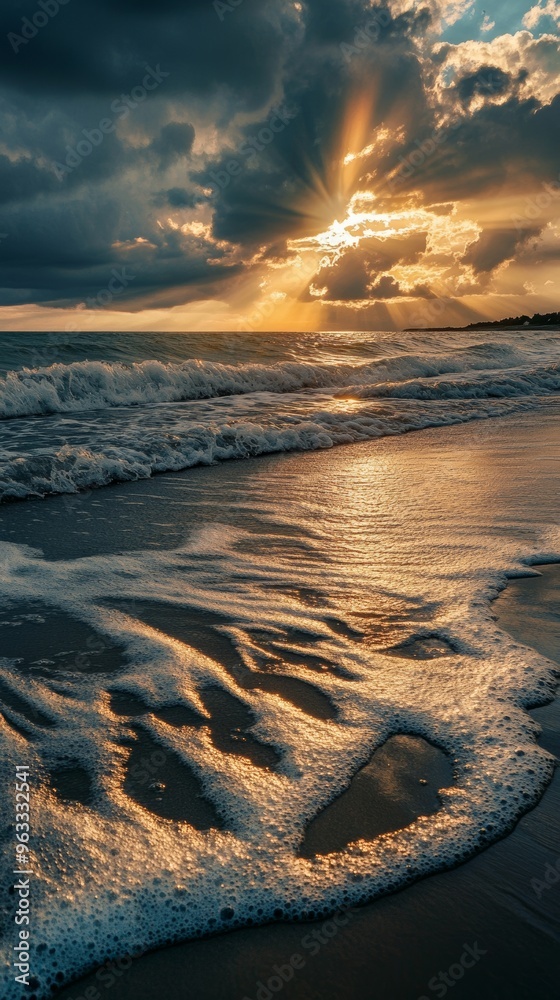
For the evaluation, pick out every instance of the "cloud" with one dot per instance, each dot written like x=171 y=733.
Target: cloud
x=179 y=197
x=103 y=46
x=443 y=13
x=385 y=288
x=534 y=63
x=495 y=246
x=347 y=281
x=174 y=142
x=358 y=274
x=485 y=81
x=500 y=148
x=487 y=23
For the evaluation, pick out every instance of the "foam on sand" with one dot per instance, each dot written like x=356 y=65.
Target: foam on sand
x=195 y=709
x=224 y=848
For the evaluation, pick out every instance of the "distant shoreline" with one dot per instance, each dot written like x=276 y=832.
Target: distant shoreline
x=548 y=321
x=478 y=327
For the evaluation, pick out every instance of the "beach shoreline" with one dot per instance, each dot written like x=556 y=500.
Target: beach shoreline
x=434 y=918
x=393 y=948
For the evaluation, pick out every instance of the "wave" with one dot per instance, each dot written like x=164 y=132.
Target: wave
x=141 y=452
x=87 y=385
x=534 y=381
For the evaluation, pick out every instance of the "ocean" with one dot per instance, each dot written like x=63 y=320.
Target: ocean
x=232 y=568
x=122 y=407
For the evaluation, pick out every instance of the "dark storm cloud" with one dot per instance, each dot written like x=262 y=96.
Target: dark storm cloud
x=101 y=47
x=23 y=179
x=290 y=186
x=174 y=141
x=348 y=280
x=386 y=287
x=487 y=81
x=499 y=146
x=83 y=230
x=97 y=54
x=177 y=197
x=82 y=260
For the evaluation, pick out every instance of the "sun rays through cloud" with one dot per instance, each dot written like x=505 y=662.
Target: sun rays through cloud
x=353 y=164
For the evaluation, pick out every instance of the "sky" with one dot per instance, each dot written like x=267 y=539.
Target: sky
x=277 y=165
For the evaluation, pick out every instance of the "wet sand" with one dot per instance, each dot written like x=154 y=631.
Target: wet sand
x=491 y=927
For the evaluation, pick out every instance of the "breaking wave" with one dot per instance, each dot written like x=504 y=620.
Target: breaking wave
x=87 y=385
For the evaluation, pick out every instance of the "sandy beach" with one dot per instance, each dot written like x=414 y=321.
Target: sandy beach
x=499 y=904
x=506 y=901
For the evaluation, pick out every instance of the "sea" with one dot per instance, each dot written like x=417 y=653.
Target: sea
x=232 y=568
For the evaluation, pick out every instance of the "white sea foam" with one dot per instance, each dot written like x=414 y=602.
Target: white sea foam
x=141 y=449
x=373 y=530
x=502 y=385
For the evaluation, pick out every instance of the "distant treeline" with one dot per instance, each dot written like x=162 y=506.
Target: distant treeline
x=539 y=319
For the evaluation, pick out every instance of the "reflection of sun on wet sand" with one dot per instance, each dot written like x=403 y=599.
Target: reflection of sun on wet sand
x=395 y=945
